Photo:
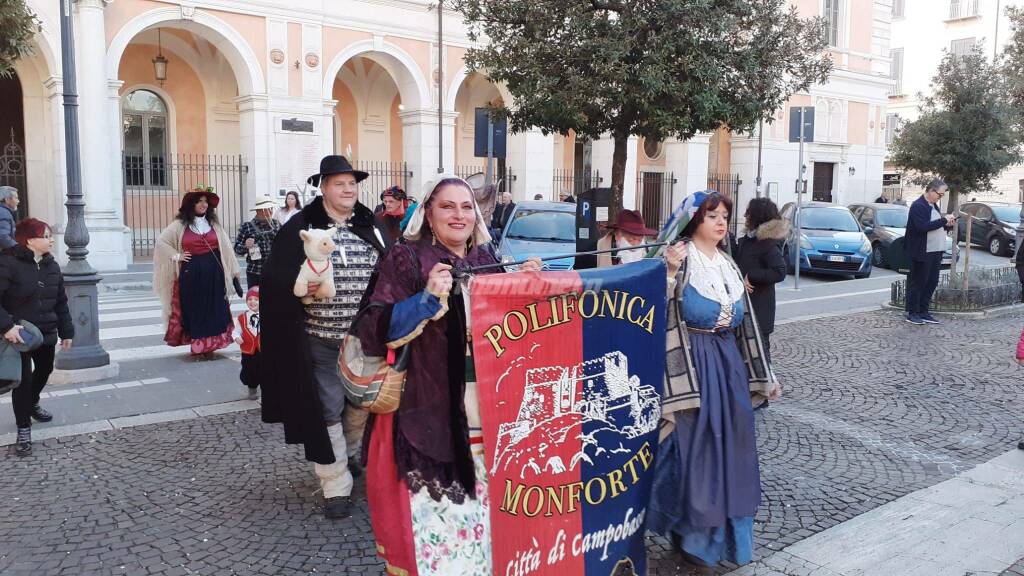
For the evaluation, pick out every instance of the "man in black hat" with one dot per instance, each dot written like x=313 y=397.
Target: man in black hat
x=300 y=343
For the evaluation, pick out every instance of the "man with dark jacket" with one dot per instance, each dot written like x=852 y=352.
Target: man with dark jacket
x=924 y=242
x=8 y=215
x=502 y=211
x=300 y=343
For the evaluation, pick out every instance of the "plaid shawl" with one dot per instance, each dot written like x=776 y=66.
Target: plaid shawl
x=682 y=391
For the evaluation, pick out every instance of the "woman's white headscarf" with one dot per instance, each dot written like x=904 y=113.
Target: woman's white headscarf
x=414 y=231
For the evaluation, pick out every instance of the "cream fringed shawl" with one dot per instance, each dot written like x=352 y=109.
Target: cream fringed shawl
x=165 y=270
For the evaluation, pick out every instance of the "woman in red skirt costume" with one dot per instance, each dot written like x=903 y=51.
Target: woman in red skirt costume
x=194 y=270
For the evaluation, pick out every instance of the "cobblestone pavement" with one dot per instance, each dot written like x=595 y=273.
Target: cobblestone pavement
x=874 y=408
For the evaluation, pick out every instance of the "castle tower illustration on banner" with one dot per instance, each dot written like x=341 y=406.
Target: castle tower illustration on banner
x=556 y=398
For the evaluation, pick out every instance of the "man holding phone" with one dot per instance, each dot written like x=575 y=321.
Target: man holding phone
x=925 y=241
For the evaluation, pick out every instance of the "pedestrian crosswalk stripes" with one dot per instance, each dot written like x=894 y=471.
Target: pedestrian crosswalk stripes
x=236 y=309
x=131 y=328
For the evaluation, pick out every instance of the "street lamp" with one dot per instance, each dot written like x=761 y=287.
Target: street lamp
x=80 y=279
x=159 y=63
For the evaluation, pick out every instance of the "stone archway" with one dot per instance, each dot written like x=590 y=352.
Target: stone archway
x=409 y=123
x=230 y=94
x=40 y=140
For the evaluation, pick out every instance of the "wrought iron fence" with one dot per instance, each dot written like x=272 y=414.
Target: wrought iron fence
x=153 y=188
x=986 y=288
x=12 y=172
x=502 y=175
x=654 y=197
x=728 y=185
x=575 y=181
x=383 y=175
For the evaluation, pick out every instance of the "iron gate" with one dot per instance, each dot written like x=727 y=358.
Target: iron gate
x=502 y=174
x=382 y=175
x=12 y=172
x=728 y=185
x=575 y=181
x=153 y=188
x=654 y=197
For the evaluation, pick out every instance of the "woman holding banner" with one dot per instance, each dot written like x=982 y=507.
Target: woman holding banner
x=707 y=484
x=426 y=479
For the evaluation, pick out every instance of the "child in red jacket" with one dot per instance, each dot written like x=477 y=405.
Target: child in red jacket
x=247 y=336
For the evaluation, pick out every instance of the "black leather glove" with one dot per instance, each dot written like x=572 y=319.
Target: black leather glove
x=238 y=286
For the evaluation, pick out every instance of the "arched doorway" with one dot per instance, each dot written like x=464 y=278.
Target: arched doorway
x=196 y=127
x=384 y=114
x=369 y=126
x=12 y=140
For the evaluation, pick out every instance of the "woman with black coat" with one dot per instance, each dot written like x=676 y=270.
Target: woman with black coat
x=760 y=259
x=32 y=289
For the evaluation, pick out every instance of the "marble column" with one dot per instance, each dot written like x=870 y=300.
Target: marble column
x=420 y=144
x=101 y=187
x=688 y=163
x=531 y=157
x=603 y=153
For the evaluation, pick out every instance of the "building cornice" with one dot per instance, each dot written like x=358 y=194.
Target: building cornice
x=454 y=36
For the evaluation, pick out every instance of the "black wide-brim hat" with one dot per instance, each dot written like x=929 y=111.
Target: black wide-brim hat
x=335 y=164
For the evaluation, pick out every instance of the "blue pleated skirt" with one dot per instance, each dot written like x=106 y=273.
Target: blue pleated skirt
x=205 y=311
x=707 y=484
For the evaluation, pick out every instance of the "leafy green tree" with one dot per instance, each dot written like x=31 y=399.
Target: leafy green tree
x=1013 y=65
x=17 y=26
x=652 y=68
x=965 y=132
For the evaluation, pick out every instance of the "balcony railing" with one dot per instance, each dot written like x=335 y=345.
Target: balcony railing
x=895 y=87
x=963 y=9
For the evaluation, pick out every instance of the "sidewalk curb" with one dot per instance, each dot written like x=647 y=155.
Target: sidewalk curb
x=42 y=432
x=809 y=317
x=974 y=315
x=116 y=287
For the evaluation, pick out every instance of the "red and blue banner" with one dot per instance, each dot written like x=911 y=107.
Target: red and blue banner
x=570 y=368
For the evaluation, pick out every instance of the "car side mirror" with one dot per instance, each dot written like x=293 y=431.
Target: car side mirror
x=869 y=230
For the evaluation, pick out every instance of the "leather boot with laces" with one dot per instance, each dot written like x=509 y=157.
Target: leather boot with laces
x=23 y=447
x=41 y=415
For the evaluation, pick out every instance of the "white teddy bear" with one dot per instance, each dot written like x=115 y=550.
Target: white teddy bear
x=317 y=267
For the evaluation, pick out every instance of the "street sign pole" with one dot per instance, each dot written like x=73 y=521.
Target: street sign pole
x=489 y=170
x=800 y=184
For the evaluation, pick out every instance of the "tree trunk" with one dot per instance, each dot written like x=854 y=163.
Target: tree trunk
x=618 y=176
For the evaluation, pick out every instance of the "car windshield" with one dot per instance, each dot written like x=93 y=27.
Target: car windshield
x=1008 y=214
x=835 y=219
x=893 y=218
x=543 y=225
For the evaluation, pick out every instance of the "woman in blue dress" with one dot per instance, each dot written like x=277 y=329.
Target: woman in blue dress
x=707 y=482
